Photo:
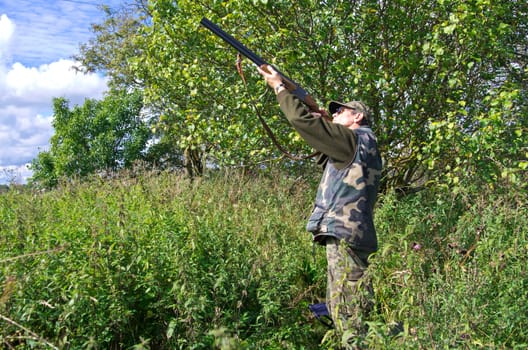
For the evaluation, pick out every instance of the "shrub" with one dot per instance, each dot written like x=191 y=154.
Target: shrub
x=158 y=261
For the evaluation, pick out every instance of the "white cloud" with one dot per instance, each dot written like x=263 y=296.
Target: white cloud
x=7 y=28
x=26 y=108
x=26 y=105
x=57 y=79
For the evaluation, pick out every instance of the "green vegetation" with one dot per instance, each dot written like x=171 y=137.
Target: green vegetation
x=446 y=79
x=159 y=261
x=100 y=136
x=220 y=259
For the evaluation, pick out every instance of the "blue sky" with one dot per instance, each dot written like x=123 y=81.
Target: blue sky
x=37 y=41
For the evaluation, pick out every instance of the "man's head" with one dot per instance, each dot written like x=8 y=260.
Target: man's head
x=351 y=114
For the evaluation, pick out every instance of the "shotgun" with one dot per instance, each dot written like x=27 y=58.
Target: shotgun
x=291 y=85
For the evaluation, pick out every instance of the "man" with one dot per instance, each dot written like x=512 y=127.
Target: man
x=342 y=218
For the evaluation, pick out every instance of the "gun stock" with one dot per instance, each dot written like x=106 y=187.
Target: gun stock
x=290 y=84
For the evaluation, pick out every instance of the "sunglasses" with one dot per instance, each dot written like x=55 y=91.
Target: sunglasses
x=342 y=109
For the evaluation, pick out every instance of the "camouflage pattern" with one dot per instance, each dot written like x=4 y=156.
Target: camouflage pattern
x=346 y=197
x=342 y=218
x=349 y=291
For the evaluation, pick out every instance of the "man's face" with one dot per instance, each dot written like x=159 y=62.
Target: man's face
x=345 y=116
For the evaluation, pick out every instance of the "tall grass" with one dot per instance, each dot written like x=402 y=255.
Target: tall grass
x=161 y=262
x=452 y=268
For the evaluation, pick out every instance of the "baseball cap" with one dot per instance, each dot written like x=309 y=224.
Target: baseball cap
x=356 y=105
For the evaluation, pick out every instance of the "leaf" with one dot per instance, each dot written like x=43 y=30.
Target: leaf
x=170 y=329
x=450 y=29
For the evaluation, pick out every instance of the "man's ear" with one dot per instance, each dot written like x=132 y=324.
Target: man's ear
x=358 y=118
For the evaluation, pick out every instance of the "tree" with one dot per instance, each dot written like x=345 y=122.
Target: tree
x=444 y=78
x=98 y=136
x=110 y=50
x=478 y=49
x=117 y=44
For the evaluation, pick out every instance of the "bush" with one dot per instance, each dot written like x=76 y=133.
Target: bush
x=452 y=268
x=161 y=262
x=158 y=261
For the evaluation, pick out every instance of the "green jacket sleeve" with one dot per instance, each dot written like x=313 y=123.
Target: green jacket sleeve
x=333 y=140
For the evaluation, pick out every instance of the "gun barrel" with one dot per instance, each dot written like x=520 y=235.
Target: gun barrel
x=233 y=42
x=291 y=85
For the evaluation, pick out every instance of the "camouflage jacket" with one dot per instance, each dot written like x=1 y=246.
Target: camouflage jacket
x=349 y=185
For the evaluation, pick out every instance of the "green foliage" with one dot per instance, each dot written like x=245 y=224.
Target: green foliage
x=158 y=260
x=98 y=136
x=446 y=79
x=162 y=262
x=114 y=45
x=451 y=269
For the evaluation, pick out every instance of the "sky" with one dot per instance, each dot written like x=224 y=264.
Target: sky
x=37 y=41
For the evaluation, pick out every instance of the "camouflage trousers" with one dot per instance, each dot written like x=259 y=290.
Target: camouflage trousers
x=349 y=295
